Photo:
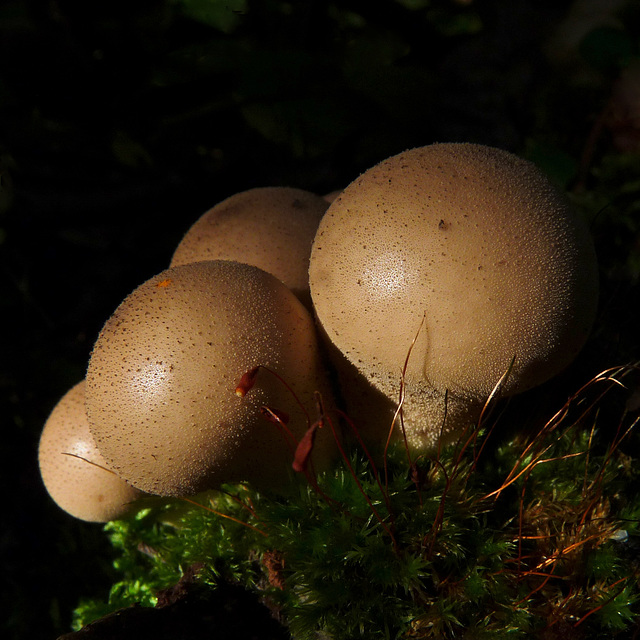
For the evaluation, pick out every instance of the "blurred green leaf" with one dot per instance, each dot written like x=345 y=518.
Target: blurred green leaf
x=198 y=61
x=224 y=15
x=414 y=5
x=308 y=126
x=129 y=152
x=466 y=23
x=607 y=48
x=557 y=164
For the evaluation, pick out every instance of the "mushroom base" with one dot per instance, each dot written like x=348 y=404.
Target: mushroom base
x=430 y=418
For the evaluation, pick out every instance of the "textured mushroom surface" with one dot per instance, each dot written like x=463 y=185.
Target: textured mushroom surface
x=73 y=470
x=269 y=227
x=161 y=379
x=470 y=251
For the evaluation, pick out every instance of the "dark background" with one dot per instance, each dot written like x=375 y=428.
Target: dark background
x=122 y=122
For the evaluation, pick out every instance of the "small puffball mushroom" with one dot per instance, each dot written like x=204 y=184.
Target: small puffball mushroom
x=162 y=379
x=270 y=227
x=74 y=472
x=469 y=251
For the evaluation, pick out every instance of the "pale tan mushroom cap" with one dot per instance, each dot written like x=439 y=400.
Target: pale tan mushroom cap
x=269 y=227
x=84 y=490
x=162 y=376
x=476 y=241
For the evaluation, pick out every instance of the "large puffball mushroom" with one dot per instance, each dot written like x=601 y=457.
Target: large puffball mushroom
x=269 y=227
x=74 y=472
x=162 y=379
x=469 y=251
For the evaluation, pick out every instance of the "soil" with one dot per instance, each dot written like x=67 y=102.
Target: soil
x=189 y=612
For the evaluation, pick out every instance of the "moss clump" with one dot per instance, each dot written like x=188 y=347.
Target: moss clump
x=525 y=537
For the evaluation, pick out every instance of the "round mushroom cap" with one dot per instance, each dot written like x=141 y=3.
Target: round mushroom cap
x=162 y=376
x=74 y=472
x=268 y=227
x=469 y=251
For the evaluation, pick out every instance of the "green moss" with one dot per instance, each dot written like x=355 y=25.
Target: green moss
x=522 y=537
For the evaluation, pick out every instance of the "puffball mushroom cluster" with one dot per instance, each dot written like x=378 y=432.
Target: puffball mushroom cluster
x=433 y=276
x=161 y=400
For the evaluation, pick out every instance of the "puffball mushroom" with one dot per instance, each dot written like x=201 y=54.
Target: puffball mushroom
x=269 y=227
x=469 y=251
x=162 y=376
x=74 y=472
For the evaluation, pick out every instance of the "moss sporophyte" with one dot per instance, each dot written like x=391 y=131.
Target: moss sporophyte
x=525 y=536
